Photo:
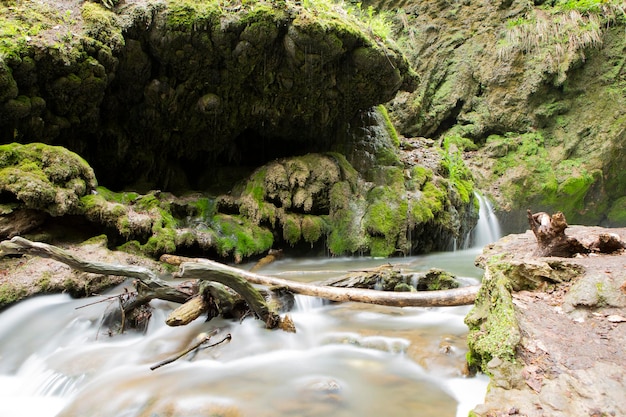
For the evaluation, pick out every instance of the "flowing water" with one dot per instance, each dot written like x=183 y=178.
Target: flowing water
x=488 y=228
x=346 y=359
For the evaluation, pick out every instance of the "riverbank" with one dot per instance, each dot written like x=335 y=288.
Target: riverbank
x=558 y=347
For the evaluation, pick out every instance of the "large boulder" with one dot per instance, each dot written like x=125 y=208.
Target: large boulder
x=169 y=94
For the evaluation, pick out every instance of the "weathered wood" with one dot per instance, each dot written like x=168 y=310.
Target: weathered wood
x=153 y=286
x=21 y=246
x=608 y=243
x=551 y=237
x=272 y=255
x=238 y=283
x=212 y=270
x=188 y=312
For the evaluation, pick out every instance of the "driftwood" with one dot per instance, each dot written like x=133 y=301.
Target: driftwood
x=151 y=285
x=216 y=271
x=272 y=255
x=212 y=297
x=552 y=240
x=239 y=284
x=551 y=237
x=188 y=312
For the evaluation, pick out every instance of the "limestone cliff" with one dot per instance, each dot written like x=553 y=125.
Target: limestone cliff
x=266 y=110
x=168 y=93
x=535 y=92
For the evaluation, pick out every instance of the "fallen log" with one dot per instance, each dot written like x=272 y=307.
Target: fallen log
x=150 y=286
x=149 y=279
x=212 y=270
x=239 y=284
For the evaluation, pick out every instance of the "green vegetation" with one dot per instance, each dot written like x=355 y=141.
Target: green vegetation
x=10 y=294
x=558 y=37
x=385 y=220
x=452 y=162
x=588 y=6
x=493 y=329
x=102 y=25
x=525 y=160
x=44 y=177
x=432 y=199
x=391 y=129
x=617 y=212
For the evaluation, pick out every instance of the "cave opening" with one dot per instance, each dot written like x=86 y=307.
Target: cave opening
x=218 y=172
x=450 y=120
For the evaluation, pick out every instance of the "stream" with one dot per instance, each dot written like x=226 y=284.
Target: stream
x=347 y=359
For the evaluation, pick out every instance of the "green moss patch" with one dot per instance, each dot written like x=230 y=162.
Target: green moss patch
x=43 y=177
x=493 y=328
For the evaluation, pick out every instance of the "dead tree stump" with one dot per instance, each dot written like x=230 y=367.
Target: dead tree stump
x=551 y=237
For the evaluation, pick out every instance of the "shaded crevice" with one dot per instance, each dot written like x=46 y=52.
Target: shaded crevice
x=451 y=120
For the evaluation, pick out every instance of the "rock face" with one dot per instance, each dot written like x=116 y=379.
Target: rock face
x=167 y=94
x=538 y=88
x=550 y=331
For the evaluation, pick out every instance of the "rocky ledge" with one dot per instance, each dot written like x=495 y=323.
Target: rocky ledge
x=550 y=332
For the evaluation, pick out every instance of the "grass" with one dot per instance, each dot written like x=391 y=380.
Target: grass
x=558 y=35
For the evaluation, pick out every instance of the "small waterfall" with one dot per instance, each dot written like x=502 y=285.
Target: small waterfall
x=307 y=303
x=487 y=229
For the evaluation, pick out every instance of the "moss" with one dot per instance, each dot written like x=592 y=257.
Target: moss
x=44 y=177
x=187 y=14
x=98 y=209
x=617 y=213
x=313 y=228
x=419 y=176
x=391 y=129
x=292 y=229
x=458 y=173
x=99 y=240
x=385 y=220
x=43 y=282
x=237 y=237
x=585 y=6
x=493 y=328
x=163 y=239
x=17 y=108
x=437 y=279
x=347 y=235
x=429 y=204
x=19 y=24
x=102 y=24
x=10 y=293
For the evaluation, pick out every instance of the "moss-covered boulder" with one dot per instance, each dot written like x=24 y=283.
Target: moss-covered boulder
x=169 y=94
x=320 y=200
x=156 y=223
x=42 y=177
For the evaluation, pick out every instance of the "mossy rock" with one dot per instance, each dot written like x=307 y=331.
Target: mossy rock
x=437 y=279
x=43 y=177
x=493 y=328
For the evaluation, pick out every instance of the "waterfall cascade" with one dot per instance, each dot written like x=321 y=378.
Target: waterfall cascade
x=487 y=229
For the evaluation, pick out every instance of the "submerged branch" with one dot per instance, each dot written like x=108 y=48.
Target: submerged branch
x=200 y=340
